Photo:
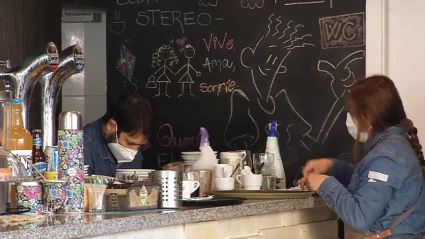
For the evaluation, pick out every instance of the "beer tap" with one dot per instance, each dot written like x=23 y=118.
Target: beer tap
x=71 y=61
x=22 y=79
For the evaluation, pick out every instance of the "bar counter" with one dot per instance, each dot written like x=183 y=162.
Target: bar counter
x=294 y=218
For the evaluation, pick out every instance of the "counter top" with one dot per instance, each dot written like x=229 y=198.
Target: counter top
x=94 y=224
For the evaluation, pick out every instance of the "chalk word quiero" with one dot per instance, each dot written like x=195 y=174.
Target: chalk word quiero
x=343 y=31
x=220 y=64
x=225 y=87
x=166 y=138
x=156 y=17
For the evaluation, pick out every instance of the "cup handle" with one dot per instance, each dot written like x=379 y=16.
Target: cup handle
x=196 y=185
x=238 y=178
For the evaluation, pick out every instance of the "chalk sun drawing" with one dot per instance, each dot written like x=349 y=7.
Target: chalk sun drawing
x=125 y=64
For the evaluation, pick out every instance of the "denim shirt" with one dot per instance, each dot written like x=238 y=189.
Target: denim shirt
x=386 y=183
x=97 y=155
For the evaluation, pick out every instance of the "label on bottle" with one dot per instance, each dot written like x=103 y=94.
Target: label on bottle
x=25 y=157
x=37 y=142
x=41 y=166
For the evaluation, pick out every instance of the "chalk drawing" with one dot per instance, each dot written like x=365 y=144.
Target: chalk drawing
x=164 y=58
x=117 y=26
x=208 y=3
x=125 y=65
x=342 y=31
x=189 y=53
x=252 y=4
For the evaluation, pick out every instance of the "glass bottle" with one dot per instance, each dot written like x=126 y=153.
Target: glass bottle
x=38 y=158
x=21 y=138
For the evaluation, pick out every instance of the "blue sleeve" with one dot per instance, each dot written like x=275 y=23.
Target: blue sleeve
x=376 y=182
x=342 y=171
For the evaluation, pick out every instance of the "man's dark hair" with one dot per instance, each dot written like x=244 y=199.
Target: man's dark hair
x=134 y=115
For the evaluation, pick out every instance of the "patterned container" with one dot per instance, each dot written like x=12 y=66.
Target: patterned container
x=71 y=168
x=54 y=195
x=30 y=195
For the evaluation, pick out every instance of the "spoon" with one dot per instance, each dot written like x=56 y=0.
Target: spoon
x=236 y=168
x=261 y=167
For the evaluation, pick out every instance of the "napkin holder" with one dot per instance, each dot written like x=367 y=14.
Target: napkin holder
x=138 y=196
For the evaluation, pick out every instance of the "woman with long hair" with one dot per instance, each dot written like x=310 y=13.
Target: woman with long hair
x=385 y=196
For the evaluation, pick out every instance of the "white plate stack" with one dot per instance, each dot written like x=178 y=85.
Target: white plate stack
x=86 y=170
x=190 y=158
x=141 y=173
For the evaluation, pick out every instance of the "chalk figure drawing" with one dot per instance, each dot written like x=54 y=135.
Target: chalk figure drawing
x=125 y=65
x=164 y=58
x=252 y=4
x=117 y=26
x=266 y=63
x=189 y=53
x=208 y=3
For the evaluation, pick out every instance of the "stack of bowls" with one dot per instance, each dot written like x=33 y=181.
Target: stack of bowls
x=190 y=158
x=86 y=170
x=133 y=174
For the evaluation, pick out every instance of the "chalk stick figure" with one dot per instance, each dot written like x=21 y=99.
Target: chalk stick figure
x=159 y=59
x=189 y=53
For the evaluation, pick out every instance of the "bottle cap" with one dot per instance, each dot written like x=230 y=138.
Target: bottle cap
x=204 y=138
x=273 y=128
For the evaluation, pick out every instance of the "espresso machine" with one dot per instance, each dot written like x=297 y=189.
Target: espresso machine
x=71 y=61
x=22 y=79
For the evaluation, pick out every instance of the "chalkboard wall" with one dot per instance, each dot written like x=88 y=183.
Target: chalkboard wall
x=233 y=65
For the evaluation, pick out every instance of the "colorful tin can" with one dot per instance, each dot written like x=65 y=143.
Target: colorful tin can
x=30 y=195
x=54 y=195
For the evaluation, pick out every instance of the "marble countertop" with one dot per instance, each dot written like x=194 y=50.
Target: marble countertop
x=95 y=224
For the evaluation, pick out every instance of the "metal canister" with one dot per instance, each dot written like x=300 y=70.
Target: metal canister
x=30 y=195
x=170 y=193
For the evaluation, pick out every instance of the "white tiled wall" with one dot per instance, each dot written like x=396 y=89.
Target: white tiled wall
x=86 y=92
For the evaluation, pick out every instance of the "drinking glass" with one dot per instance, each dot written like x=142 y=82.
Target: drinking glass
x=54 y=195
x=263 y=161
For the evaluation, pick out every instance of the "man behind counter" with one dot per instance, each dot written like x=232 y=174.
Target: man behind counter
x=118 y=138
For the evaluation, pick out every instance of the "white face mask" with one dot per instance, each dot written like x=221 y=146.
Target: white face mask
x=353 y=130
x=121 y=153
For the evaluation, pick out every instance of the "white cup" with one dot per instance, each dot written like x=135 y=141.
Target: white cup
x=188 y=188
x=251 y=181
x=230 y=157
x=223 y=184
x=223 y=170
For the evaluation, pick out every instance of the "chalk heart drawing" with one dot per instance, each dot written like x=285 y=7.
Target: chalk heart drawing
x=117 y=26
x=164 y=59
x=252 y=4
x=266 y=61
x=342 y=31
x=125 y=64
x=208 y=3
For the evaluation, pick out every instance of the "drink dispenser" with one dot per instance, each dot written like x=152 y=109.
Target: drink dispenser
x=71 y=62
x=6 y=119
x=22 y=79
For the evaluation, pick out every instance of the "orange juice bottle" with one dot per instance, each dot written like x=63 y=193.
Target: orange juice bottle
x=21 y=142
x=21 y=138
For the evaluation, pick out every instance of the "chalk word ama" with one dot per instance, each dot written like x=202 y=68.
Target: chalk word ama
x=214 y=43
x=225 y=87
x=220 y=64
x=343 y=31
x=155 y=17
x=166 y=138
x=125 y=2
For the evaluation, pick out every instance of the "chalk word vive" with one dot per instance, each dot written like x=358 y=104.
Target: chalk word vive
x=215 y=43
x=166 y=138
x=155 y=17
x=226 y=87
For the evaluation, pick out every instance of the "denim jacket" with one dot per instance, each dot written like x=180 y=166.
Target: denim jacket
x=97 y=155
x=386 y=183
